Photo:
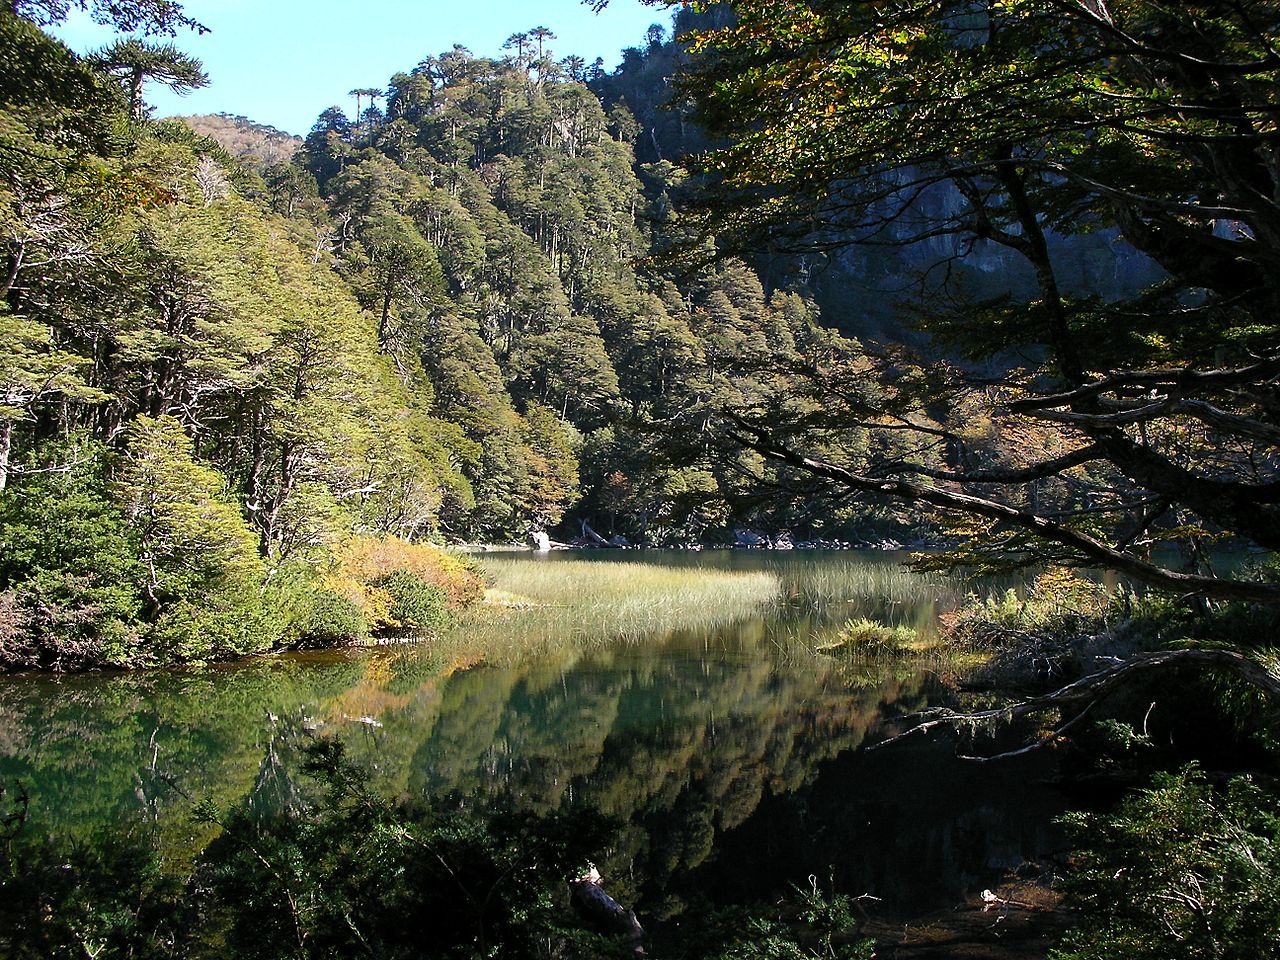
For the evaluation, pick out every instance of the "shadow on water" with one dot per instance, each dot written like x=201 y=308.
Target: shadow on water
x=731 y=761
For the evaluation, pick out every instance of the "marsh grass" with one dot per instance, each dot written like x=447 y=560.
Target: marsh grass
x=857 y=608
x=867 y=651
x=860 y=581
x=535 y=605
x=871 y=636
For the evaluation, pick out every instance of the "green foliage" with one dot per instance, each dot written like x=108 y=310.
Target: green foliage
x=203 y=573
x=436 y=326
x=147 y=16
x=32 y=369
x=111 y=895
x=328 y=619
x=52 y=98
x=810 y=925
x=988 y=146
x=338 y=873
x=1057 y=603
x=871 y=636
x=190 y=534
x=70 y=558
x=353 y=873
x=337 y=869
x=1181 y=871
x=416 y=605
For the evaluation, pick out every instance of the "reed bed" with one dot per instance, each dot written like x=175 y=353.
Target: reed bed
x=867 y=581
x=537 y=604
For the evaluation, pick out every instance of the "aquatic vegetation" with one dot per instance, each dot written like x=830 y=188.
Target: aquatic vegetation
x=535 y=604
x=854 y=578
x=869 y=636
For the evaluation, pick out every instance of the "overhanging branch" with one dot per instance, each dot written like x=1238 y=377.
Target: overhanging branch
x=1088 y=690
x=1092 y=550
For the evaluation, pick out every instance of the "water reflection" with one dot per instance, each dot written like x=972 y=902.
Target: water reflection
x=727 y=756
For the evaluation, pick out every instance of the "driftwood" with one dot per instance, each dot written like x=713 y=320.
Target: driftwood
x=592 y=537
x=603 y=912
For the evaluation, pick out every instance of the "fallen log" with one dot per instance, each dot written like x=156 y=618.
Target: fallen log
x=592 y=537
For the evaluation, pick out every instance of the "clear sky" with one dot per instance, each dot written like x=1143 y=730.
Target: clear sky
x=283 y=61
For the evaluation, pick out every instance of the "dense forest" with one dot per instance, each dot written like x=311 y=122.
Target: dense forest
x=439 y=320
x=654 y=306
x=998 y=278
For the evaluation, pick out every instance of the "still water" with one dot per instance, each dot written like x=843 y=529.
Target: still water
x=729 y=752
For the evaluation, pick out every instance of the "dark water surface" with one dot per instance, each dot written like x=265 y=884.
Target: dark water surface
x=730 y=754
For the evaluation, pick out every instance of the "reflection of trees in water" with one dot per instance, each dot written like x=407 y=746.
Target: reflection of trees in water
x=678 y=750
x=677 y=744
x=912 y=825
x=86 y=746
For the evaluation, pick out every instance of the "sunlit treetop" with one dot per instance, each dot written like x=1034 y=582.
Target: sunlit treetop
x=148 y=17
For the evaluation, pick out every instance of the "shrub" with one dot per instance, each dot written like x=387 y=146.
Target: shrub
x=364 y=570
x=329 y=620
x=818 y=926
x=1179 y=872
x=416 y=605
x=1057 y=601
x=362 y=560
x=69 y=564
x=107 y=895
x=231 y=621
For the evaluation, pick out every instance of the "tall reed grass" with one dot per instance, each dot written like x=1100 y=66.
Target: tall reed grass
x=877 y=581
x=537 y=604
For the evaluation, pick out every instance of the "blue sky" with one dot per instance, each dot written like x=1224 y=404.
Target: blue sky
x=283 y=62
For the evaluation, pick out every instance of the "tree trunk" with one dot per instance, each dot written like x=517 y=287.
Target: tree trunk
x=385 y=319
x=135 y=94
x=6 y=444
x=11 y=275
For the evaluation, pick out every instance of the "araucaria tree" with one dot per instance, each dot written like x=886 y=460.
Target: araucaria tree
x=135 y=61
x=1100 y=428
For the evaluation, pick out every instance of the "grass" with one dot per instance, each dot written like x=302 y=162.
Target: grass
x=861 y=609
x=872 y=637
x=538 y=604
x=870 y=583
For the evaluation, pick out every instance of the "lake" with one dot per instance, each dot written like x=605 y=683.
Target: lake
x=728 y=751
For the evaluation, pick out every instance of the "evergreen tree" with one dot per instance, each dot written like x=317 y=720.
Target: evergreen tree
x=134 y=62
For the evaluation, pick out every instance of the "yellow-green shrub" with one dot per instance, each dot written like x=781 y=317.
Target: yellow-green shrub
x=362 y=563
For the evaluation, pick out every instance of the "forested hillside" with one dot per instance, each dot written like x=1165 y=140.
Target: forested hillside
x=244 y=139
x=438 y=322
x=490 y=304
x=868 y=290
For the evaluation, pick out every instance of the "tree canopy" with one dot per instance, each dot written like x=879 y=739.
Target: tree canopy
x=1012 y=124
x=149 y=17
